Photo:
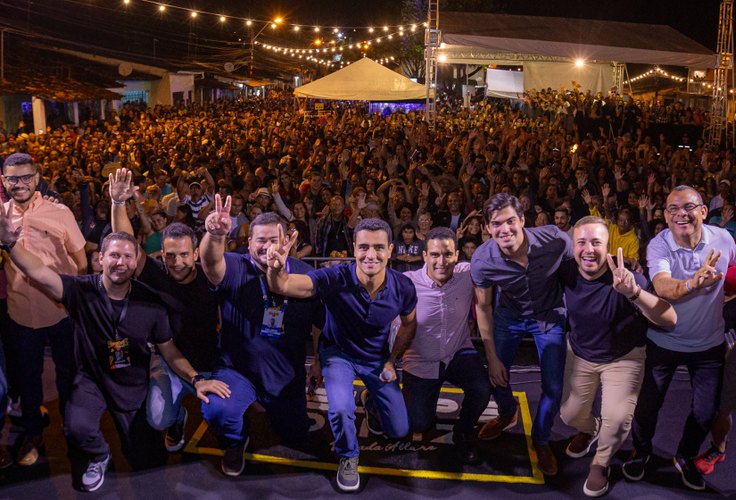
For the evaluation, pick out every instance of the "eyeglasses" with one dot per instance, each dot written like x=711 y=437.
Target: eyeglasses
x=674 y=209
x=25 y=179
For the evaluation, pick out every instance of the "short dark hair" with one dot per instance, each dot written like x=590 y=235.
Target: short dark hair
x=374 y=224
x=499 y=202
x=442 y=233
x=268 y=219
x=683 y=187
x=120 y=236
x=18 y=159
x=178 y=230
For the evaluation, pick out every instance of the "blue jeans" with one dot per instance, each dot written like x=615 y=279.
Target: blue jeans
x=465 y=371
x=508 y=331
x=287 y=411
x=166 y=391
x=25 y=348
x=339 y=371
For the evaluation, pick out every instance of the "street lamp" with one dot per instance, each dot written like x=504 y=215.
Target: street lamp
x=273 y=24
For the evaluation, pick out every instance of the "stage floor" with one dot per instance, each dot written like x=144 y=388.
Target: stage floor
x=423 y=466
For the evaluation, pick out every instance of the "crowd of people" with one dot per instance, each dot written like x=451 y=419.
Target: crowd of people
x=497 y=222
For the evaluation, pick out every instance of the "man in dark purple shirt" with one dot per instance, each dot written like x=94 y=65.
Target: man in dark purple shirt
x=522 y=264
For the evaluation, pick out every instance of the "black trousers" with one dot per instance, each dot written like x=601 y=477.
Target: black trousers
x=142 y=445
x=705 y=369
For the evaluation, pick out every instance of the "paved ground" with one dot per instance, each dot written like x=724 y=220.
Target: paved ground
x=197 y=475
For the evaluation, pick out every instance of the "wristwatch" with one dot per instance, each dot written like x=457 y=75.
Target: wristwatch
x=197 y=378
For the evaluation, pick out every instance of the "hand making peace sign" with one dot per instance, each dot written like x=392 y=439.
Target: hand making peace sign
x=278 y=252
x=219 y=223
x=623 y=279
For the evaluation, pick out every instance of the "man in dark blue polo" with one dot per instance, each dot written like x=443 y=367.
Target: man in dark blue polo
x=522 y=264
x=361 y=300
x=262 y=341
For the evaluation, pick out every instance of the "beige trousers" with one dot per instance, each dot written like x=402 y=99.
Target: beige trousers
x=620 y=380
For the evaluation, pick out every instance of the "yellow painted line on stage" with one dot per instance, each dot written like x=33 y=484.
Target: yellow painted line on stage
x=536 y=478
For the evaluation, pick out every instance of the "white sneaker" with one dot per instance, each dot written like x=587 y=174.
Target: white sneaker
x=94 y=476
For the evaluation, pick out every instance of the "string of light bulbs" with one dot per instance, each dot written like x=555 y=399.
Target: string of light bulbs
x=656 y=71
x=193 y=13
x=324 y=46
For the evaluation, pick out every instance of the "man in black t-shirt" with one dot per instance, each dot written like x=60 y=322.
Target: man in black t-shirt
x=608 y=312
x=183 y=287
x=114 y=317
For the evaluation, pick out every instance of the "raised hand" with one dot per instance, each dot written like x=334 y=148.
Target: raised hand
x=643 y=202
x=582 y=181
x=121 y=185
x=278 y=252
x=727 y=214
x=605 y=190
x=623 y=279
x=586 y=197
x=219 y=223
x=708 y=275
x=8 y=235
x=618 y=173
x=361 y=200
x=274 y=187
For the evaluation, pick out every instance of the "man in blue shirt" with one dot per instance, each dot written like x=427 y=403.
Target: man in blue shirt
x=686 y=265
x=262 y=341
x=523 y=265
x=361 y=300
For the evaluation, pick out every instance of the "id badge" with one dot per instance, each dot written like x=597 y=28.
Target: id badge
x=273 y=322
x=118 y=354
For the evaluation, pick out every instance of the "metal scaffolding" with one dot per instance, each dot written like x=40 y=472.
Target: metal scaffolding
x=432 y=40
x=719 y=107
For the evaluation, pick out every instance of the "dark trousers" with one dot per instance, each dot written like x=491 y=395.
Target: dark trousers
x=465 y=371
x=142 y=445
x=24 y=349
x=705 y=369
x=226 y=416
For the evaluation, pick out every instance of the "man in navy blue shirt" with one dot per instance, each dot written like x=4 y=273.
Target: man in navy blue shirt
x=262 y=341
x=361 y=300
x=522 y=264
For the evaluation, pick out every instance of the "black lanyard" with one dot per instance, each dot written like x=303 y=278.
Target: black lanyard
x=109 y=309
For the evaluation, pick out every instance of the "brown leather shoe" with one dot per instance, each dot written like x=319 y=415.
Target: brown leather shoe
x=6 y=458
x=580 y=444
x=493 y=428
x=29 y=450
x=546 y=459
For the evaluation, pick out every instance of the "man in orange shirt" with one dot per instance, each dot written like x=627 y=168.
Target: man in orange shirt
x=49 y=231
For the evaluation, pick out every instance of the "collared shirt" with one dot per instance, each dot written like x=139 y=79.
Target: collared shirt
x=270 y=363
x=699 y=313
x=50 y=232
x=442 y=321
x=531 y=292
x=358 y=325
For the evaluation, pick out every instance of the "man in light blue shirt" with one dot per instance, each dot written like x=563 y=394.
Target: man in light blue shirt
x=687 y=263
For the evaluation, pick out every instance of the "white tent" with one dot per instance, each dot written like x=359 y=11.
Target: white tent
x=363 y=80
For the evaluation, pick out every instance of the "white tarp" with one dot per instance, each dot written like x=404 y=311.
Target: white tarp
x=557 y=75
x=505 y=83
x=363 y=80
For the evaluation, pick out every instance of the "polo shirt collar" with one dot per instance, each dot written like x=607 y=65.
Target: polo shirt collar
x=705 y=238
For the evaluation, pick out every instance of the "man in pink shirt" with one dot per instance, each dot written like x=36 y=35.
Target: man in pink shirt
x=50 y=232
x=442 y=350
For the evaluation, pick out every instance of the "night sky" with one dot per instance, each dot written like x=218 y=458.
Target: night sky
x=132 y=28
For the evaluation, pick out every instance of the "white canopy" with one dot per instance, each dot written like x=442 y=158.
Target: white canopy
x=474 y=38
x=363 y=80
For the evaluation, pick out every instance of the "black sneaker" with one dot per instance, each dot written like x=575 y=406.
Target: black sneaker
x=348 y=478
x=635 y=467
x=94 y=476
x=691 y=476
x=466 y=448
x=233 y=461
x=372 y=419
x=175 y=435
